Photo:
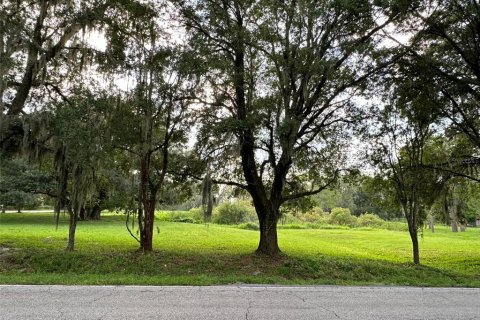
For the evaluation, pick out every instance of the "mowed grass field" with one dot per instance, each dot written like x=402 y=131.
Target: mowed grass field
x=32 y=252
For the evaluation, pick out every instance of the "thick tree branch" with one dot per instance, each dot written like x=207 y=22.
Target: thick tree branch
x=312 y=192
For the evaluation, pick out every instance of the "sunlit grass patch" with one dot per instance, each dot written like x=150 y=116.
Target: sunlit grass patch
x=213 y=254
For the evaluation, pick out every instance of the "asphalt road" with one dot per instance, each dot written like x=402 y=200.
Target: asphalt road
x=237 y=302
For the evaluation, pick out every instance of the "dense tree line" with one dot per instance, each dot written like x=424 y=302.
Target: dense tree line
x=262 y=95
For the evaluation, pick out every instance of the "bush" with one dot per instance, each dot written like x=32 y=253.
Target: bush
x=316 y=215
x=311 y=217
x=163 y=215
x=313 y=226
x=294 y=226
x=370 y=220
x=249 y=226
x=342 y=216
x=197 y=214
x=288 y=218
x=234 y=213
x=396 y=226
x=178 y=216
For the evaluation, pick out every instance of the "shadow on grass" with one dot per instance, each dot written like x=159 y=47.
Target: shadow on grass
x=55 y=267
x=204 y=258
x=42 y=218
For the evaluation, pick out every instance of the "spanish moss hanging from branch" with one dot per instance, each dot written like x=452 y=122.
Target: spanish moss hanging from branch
x=207 y=198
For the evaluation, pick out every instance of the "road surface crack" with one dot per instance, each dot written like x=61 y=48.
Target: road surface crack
x=248 y=310
x=103 y=296
x=315 y=304
x=440 y=295
x=109 y=293
x=62 y=314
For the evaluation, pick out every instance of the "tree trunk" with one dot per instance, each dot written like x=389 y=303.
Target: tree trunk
x=411 y=213
x=94 y=212
x=148 y=198
x=414 y=237
x=148 y=225
x=452 y=212
x=71 y=230
x=209 y=209
x=19 y=210
x=454 y=225
x=90 y=213
x=2 y=74
x=140 y=220
x=431 y=224
x=268 y=244
x=207 y=198
x=83 y=215
x=145 y=242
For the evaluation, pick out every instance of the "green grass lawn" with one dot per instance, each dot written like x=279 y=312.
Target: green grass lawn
x=32 y=251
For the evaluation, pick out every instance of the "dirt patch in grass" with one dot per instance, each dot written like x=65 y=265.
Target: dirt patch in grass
x=7 y=257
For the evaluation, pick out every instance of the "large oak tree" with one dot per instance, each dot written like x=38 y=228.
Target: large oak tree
x=281 y=78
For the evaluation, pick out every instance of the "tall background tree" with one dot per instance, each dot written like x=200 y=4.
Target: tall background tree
x=40 y=43
x=444 y=51
x=151 y=119
x=407 y=123
x=48 y=108
x=25 y=185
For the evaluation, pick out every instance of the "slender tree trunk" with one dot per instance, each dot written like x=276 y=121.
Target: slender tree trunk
x=148 y=226
x=148 y=196
x=144 y=179
x=209 y=209
x=411 y=213
x=453 y=214
x=2 y=71
x=140 y=223
x=431 y=224
x=71 y=230
x=19 y=210
x=207 y=198
x=414 y=236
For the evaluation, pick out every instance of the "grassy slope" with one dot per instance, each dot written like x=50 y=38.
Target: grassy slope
x=193 y=254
